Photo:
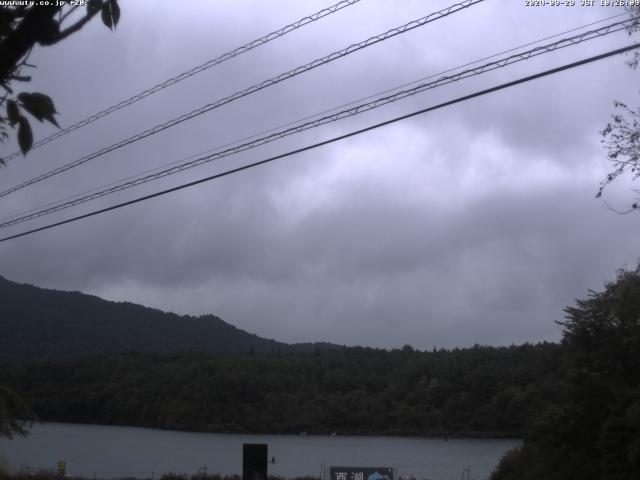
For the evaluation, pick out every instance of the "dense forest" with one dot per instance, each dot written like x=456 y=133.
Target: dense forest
x=480 y=391
x=79 y=358
x=592 y=433
x=575 y=404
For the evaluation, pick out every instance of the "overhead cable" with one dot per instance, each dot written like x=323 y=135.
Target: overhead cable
x=194 y=71
x=331 y=140
x=253 y=89
x=350 y=112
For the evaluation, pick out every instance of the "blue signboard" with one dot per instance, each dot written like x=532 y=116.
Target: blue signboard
x=361 y=473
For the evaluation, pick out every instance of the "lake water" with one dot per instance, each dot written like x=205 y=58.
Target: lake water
x=108 y=452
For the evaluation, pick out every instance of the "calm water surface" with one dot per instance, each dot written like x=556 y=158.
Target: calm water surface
x=105 y=452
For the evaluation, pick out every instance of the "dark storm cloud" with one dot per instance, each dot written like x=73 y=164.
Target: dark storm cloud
x=472 y=224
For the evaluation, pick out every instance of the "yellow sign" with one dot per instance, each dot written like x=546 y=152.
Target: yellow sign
x=62 y=468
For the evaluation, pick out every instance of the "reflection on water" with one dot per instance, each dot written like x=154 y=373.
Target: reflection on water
x=106 y=452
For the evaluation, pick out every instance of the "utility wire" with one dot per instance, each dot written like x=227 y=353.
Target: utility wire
x=315 y=115
x=293 y=122
x=332 y=140
x=379 y=102
x=255 y=88
x=195 y=70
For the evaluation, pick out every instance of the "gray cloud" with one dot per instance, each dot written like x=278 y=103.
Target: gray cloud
x=474 y=224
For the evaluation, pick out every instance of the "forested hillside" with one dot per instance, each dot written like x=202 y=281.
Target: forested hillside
x=480 y=391
x=42 y=323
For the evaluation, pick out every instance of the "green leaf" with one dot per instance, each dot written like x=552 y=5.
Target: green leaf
x=39 y=105
x=110 y=13
x=13 y=112
x=107 y=16
x=115 y=12
x=51 y=119
x=25 y=136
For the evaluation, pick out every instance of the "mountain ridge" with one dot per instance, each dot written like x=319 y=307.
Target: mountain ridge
x=46 y=323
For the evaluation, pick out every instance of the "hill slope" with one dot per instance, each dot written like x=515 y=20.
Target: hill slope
x=42 y=323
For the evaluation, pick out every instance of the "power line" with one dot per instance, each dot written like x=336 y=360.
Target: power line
x=315 y=115
x=378 y=102
x=293 y=122
x=343 y=114
x=195 y=70
x=254 y=88
x=332 y=140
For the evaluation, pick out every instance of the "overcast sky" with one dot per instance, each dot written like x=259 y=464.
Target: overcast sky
x=471 y=224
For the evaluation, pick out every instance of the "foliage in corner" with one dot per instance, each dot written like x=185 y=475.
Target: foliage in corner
x=15 y=414
x=622 y=141
x=595 y=433
x=621 y=136
x=21 y=28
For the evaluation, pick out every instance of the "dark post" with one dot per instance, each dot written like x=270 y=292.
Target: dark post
x=254 y=461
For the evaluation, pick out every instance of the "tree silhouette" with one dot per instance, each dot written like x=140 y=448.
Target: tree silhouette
x=15 y=414
x=22 y=27
x=594 y=432
x=621 y=136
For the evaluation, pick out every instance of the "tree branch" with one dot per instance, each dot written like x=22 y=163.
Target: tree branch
x=621 y=212
x=23 y=38
x=21 y=78
x=66 y=14
x=75 y=27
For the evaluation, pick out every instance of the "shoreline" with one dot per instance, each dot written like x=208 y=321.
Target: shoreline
x=332 y=434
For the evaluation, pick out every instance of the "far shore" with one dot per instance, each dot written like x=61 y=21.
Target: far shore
x=399 y=434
